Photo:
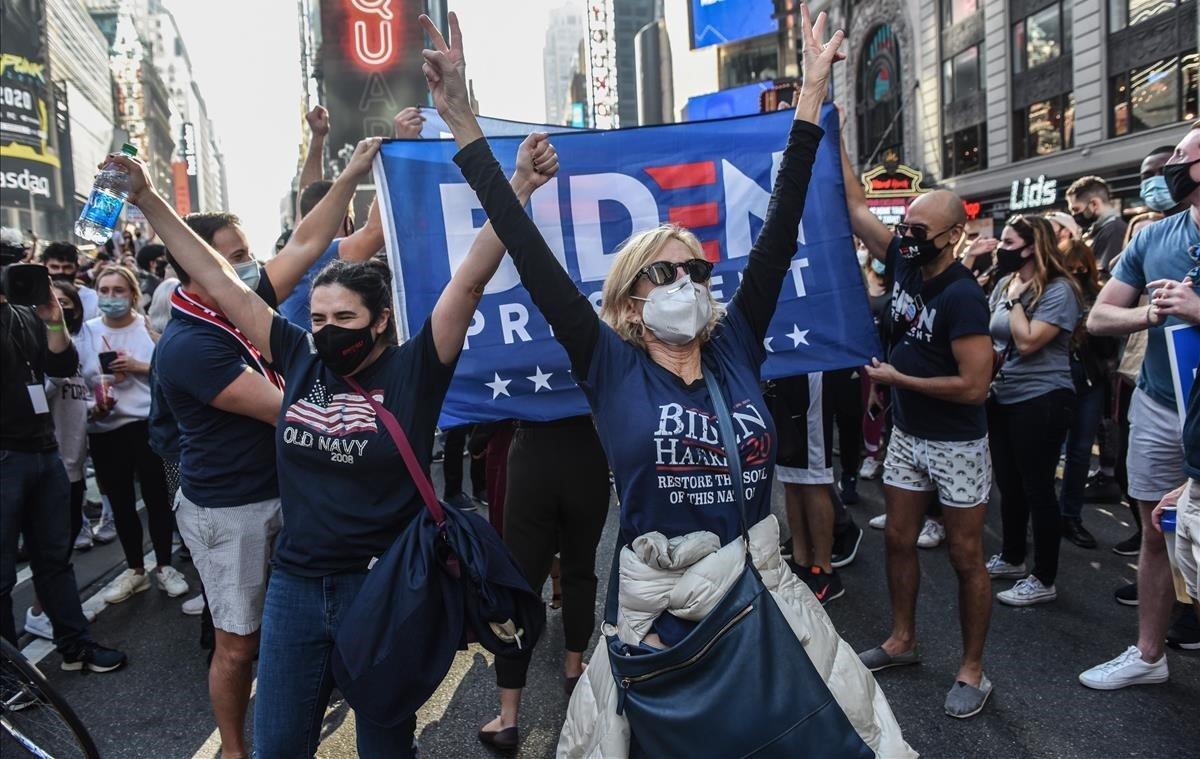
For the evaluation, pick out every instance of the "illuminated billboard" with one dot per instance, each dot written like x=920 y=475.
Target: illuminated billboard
x=716 y=22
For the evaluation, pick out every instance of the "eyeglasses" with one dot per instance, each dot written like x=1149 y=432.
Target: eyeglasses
x=919 y=232
x=665 y=272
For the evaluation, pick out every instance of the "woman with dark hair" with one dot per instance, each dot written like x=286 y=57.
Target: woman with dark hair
x=1036 y=307
x=345 y=495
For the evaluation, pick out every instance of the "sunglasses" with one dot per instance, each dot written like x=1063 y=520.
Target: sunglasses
x=919 y=232
x=666 y=272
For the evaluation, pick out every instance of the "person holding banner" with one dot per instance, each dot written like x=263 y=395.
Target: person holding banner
x=344 y=498
x=1164 y=261
x=646 y=365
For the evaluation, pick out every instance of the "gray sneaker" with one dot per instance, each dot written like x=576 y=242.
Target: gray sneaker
x=876 y=658
x=966 y=700
x=106 y=532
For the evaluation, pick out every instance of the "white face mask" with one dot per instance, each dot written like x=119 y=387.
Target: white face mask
x=862 y=257
x=676 y=312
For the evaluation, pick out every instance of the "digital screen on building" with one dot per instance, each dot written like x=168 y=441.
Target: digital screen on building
x=28 y=162
x=716 y=22
x=370 y=65
x=735 y=101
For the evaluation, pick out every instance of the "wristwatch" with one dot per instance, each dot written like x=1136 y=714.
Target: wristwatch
x=1009 y=303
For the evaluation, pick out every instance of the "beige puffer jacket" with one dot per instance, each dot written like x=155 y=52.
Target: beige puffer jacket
x=687 y=576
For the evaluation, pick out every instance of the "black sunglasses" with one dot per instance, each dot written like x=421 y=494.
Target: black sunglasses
x=919 y=232
x=666 y=272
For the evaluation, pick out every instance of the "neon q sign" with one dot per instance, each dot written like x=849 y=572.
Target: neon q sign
x=372 y=30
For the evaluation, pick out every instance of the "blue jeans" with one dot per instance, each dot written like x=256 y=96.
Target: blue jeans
x=35 y=499
x=295 y=676
x=1089 y=409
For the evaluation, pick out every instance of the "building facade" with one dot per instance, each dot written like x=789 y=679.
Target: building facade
x=558 y=58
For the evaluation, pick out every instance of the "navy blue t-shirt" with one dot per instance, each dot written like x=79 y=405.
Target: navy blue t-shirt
x=345 y=491
x=959 y=310
x=295 y=307
x=1191 y=432
x=225 y=459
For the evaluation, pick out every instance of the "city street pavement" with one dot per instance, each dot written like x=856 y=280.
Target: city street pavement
x=158 y=705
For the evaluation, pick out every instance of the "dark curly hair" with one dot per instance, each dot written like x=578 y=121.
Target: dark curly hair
x=370 y=280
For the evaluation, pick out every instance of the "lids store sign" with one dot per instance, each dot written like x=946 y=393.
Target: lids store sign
x=1032 y=193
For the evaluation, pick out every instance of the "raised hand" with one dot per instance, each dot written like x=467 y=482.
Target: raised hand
x=139 y=178
x=406 y=125
x=445 y=68
x=318 y=120
x=537 y=161
x=818 y=59
x=364 y=154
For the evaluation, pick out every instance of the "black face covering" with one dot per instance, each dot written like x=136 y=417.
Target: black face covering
x=74 y=320
x=63 y=277
x=1083 y=219
x=1009 y=260
x=1179 y=179
x=920 y=252
x=343 y=349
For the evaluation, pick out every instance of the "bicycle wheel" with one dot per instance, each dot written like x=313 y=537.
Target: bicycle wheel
x=35 y=715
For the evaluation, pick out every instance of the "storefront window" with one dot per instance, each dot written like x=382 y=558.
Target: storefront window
x=963 y=151
x=1156 y=95
x=1123 y=13
x=1045 y=127
x=954 y=11
x=880 y=94
x=749 y=62
x=962 y=74
x=1041 y=37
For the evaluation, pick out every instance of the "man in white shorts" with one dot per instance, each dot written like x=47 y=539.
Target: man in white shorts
x=939 y=369
x=1162 y=259
x=805 y=467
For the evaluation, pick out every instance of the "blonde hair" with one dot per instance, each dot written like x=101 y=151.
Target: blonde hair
x=130 y=279
x=635 y=254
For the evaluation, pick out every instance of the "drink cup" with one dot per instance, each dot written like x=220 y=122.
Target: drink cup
x=106 y=393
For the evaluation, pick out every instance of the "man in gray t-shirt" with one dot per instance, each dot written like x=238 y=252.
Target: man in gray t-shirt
x=1049 y=368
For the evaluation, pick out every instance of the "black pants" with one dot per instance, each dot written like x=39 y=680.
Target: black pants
x=78 y=491
x=119 y=456
x=1026 y=439
x=556 y=500
x=34 y=494
x=452 y=465
x=844 y=390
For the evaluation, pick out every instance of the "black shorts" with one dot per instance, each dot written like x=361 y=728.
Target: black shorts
x=804 y=422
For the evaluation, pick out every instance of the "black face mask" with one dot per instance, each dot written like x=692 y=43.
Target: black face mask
x=1009 y=260
x=342 y=349
x=74 y=320
x=920 y=252
x=1083 y=219
x=1179 y=179
x=63 y=277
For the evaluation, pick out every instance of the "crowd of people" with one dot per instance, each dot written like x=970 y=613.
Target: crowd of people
x=184 y=370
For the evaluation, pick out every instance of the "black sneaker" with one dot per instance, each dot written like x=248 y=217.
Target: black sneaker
x=93 y=656
x=845 y=546
x=1102 y=488
x=1130 y=546
x=92 y=510
x=1185 y=630
x=799 y=570
x=1127 y=595
x=849 y=490
x=480 y=500
x=1074 y=531
x=462 y=502
x=826 y=586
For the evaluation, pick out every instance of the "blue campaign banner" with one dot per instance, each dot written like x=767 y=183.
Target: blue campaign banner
x=1183 y=348
x=715 y=22
x=435 y=127
x=713 y=176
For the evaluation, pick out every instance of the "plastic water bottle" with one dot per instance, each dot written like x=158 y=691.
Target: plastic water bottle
x=103 y=210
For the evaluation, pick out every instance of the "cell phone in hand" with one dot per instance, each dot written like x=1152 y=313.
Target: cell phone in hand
x=106 y=360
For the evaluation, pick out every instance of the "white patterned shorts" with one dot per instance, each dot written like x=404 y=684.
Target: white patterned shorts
x=960 y=471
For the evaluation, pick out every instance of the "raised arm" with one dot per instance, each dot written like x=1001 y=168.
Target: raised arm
x=569 y=313
x=772 y=253
x=537 y=163
x=314 y=161
x=317 y=229
x=866 y=225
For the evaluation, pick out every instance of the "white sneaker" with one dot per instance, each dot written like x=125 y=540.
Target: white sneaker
x=172 y=581
x=1027 y=592
x=999 y=569
x=39 y=625
x=932 y=534
x=870 y=469
x=878 y=522
x=193 y=607
x=1127 y=669
x=83 y=541
x=126 y=584
x=106 y=532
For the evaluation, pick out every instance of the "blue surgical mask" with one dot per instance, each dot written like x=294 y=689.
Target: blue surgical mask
x=113 y=307
x=249 y=273
x=879 y=267
x=1156 y=194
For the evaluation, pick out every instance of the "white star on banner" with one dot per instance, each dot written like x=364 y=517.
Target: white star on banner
x=540 y=380
x=798 y=336
x=498 y=386
x=767 y=344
